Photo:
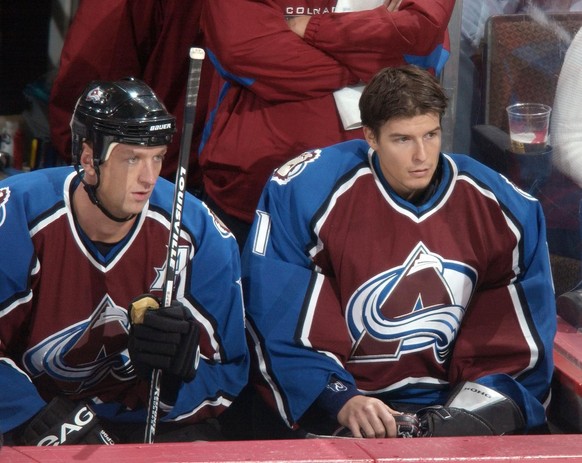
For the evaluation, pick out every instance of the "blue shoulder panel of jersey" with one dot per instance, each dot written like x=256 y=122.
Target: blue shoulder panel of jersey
x=34 y=193
x=307 y=181
x=25 y=199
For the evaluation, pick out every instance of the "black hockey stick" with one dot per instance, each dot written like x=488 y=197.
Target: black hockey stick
x=196 y=58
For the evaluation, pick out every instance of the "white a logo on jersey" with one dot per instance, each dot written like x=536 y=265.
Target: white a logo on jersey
x=83 y=355
x=411 y=308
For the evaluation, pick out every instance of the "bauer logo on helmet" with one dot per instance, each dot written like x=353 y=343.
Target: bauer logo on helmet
x=156 y=127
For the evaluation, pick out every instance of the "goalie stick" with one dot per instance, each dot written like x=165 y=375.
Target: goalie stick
x=196 y=58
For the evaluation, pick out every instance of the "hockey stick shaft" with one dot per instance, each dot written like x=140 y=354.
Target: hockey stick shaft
x=172 y=261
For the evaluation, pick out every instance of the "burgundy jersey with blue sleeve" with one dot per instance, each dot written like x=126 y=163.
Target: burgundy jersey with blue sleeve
x=63 y=302
x=345 y=279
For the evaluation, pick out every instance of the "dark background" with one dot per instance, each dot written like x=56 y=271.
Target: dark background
x=24 y=36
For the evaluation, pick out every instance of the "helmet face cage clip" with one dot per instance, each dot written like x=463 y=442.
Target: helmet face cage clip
x=125 y=111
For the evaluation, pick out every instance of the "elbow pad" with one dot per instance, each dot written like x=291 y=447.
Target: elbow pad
x=472 y=410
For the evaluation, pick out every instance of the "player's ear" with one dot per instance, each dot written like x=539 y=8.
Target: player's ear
x=87 y=157
x=370 y=137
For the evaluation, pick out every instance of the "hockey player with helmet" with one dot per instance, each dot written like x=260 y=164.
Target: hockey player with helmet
x=80 y=247
x=384 y=276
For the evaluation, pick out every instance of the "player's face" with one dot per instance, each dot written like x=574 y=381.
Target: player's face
x=128 y=178
x=408 y=150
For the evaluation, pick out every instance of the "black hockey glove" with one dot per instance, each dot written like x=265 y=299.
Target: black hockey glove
x=63 y=422
x=163 y=338
x=472 y=410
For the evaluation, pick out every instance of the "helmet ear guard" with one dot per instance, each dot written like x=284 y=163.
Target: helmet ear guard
x=125 y=111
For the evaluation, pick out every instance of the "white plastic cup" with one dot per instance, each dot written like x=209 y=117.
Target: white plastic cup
x=528 y=127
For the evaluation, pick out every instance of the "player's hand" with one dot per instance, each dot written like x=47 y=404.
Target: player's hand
x=392 y=5
x=164 y=338
x=368 y=417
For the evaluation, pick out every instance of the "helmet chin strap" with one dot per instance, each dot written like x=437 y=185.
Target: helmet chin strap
x=92 y=192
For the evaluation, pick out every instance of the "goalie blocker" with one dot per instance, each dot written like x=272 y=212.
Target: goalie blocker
x=472 y=410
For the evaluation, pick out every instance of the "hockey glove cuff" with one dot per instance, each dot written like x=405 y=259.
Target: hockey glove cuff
x=63 y=422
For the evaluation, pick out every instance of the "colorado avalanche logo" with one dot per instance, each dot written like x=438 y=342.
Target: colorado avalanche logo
x=415 y=307
x=4 y=196
x=97 y=96
x=76 y=356
x=294 y=167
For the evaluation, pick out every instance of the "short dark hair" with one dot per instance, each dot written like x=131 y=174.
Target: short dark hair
x=404 y=91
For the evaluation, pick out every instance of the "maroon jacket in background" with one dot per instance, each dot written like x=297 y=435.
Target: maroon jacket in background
x=148 y=39
x=278 y=98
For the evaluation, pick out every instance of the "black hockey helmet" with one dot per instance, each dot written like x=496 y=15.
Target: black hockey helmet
x=124 y=111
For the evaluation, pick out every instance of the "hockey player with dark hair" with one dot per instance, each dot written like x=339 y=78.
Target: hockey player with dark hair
x=81 y=247
x=384 y=277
